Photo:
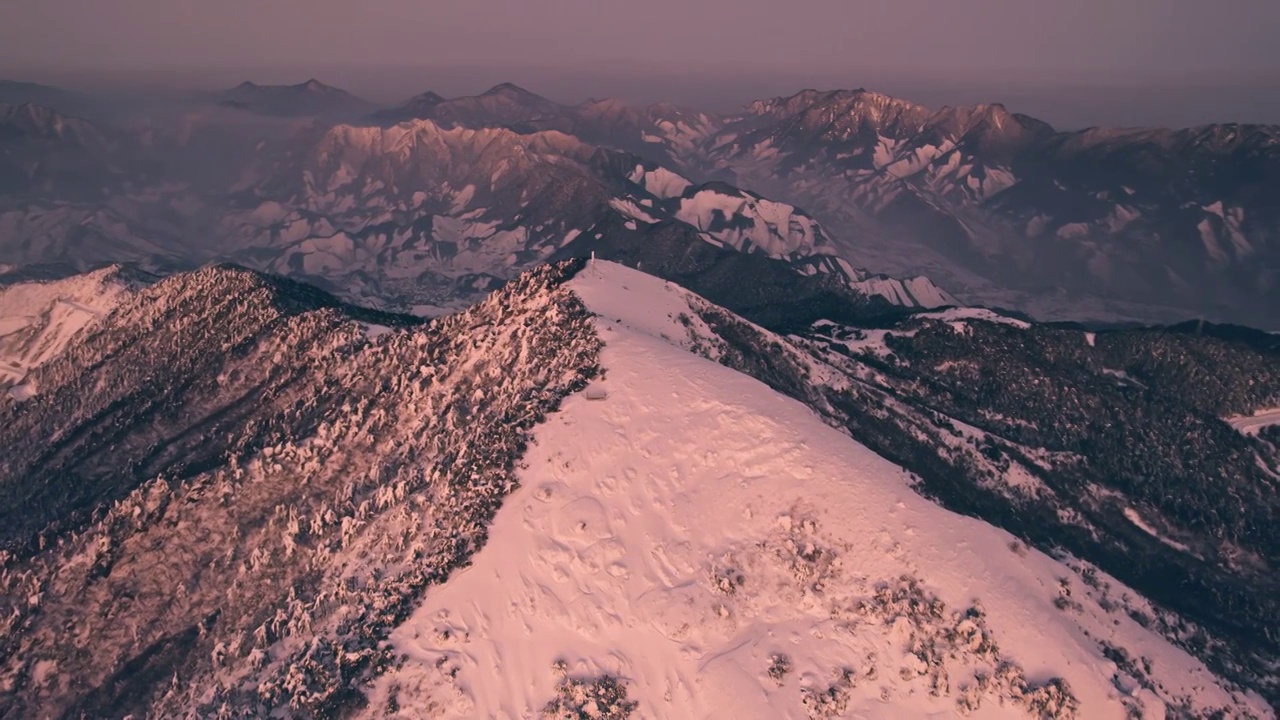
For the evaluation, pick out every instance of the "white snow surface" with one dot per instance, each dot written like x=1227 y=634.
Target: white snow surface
x=631 y=210
x=661 y=182
x=38 y=320
x=777 y=229
x=1136 y=518
x=637 y=515
x=912 y=292
x=1251 y=424
x=958 y=316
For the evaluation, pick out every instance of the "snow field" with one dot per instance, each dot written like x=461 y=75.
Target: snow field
x=727 y=554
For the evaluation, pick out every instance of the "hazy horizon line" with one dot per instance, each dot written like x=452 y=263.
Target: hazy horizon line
x=1063 y=102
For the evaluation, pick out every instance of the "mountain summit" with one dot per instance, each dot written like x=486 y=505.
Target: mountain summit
x=304 y=99
x=503 y=105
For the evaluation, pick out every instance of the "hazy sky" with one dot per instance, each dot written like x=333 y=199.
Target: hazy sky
x=723 y=48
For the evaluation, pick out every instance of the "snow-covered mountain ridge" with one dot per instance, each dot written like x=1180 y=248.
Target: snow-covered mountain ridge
x=1001 y=207
x=426 y=215
x=1148 y=224
x=227 y=494
x=251 y=497
x=418 y=204
x=724 y=553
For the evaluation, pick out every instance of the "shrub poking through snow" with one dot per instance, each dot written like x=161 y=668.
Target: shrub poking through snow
x=934 y=636
x=779 y=668
x=832 y=701
x=601 y=698
x=1050 y=701
x=726 y=578
x=810 y=562
x=1064 y=601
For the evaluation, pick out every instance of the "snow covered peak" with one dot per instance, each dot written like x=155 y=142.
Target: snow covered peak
x=425 y=148
x=399 y=136
x=750 y=223
x=720 y=551
x=855 y=121
x=992 y=120
x=912 y=292
x=839 y=112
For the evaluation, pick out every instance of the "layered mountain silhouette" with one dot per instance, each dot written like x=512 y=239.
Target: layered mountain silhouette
x=309 y=98
x=997 y=206
x=981 y=198
x=420 y=215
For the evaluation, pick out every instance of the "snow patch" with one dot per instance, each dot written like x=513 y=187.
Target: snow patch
x=959 y=315
x=631 y=210
x=1135 y=518
x=664 y=183
x=40 y=320
x=373 y=331
x=1251 y=424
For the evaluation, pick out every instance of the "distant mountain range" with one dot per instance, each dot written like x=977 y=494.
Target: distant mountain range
x=997 y=206
x=13 y=92
x=311 y=98
x=416 y=215
x=48 y=155
x=662 y=132
x=993 y=207
x=1156 y=217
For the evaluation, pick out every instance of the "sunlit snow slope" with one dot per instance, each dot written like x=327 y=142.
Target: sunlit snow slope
x=1252 y=424
x=725 y=553
x=39 y=319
